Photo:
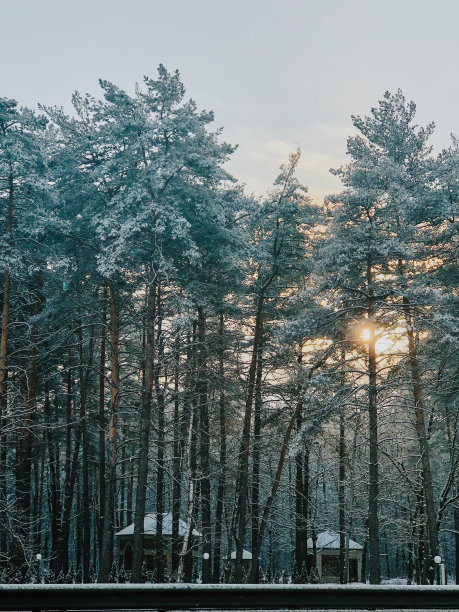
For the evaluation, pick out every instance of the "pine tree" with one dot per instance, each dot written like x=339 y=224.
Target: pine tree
x=304 y=576
x=113 y=578
x=295 y=573
x=92 y=574
x=71 y=575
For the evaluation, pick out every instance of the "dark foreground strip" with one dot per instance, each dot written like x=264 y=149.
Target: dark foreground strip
x=225 y=597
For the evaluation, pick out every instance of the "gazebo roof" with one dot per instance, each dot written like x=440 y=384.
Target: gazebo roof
x=330 y=540
x=149 y=526
x=246 y=555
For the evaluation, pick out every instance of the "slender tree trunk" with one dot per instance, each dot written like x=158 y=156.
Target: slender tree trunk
x=101 y=422
x=222 y=458
x=3 y=418
x=431 y=516
x=245 y=449
x=341 y=499
x=456 y=541
x=107 y=535
x=204 y=448
x=3 y=375
x=160 y=480
x=181 y=572
x=257 y=447
x=145 y=417
x=301 y=493
x=189 y=429
x=373 y=520
x=53 y=484
x=71 y=467
x=351 y=502
x=86 y=518
x=176 y=461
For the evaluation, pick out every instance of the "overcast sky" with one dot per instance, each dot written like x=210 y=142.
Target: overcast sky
x=279 y=74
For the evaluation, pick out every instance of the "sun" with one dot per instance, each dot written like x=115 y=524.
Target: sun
x=388 y=343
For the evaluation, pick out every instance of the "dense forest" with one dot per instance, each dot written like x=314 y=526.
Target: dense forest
x=263 y=369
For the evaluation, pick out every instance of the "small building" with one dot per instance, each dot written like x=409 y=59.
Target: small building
x=230 y=561
x=327 y=557
x=151 y=545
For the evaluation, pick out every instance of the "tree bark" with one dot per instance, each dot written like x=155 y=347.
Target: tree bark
x=107 y=535
x=245 y=449
x=159 y=394
x=222 y=458
x=343 y=578
x=145 y=417
x=257 y=447
x=432 y=531
x=86 y=518
x=204 y=448
x=176 y=461
x=101 y=422
x=373 y=493
x=301 y=493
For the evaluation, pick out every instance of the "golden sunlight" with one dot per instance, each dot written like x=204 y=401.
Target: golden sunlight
x=386 y=343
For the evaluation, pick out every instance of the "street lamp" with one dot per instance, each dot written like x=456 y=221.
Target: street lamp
x=205 y=568
x=441 y=574
x=38 y=557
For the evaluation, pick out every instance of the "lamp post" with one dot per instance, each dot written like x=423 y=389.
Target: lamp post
x=205 y=560
x=441 y=574
x=38 y=557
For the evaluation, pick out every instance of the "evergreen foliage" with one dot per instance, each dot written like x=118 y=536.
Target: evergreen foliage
x=263 y=369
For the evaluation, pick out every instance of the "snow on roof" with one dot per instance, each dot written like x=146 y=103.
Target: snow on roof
x=246 y=555
x=330 y=539
x=149 y=526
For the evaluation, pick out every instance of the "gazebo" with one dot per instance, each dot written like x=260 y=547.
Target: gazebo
x=230 y=560
x=150 y=542
x=327 y=547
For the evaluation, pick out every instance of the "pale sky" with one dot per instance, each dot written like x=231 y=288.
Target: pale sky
x=279 y=74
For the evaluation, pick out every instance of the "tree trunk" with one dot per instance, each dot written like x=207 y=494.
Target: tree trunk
x=159 y=393
x=86 y=518
x=145 y=416
x=204 y=449
x=257 y=447
x=101 y=423
x=373 y=520
x=432 y=531
x=301 y=494
x=182 y=569
x=456 y=541
x=3 y=376
x=71 y=466
x=107 y=535
x=54 y=502
x=245 y=449
x=176 y=461
x=222 y=458
x=341 y=499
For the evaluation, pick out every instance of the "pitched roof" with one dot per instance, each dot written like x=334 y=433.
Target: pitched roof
x=245 y=554
x=149 y=526
x=330 y=539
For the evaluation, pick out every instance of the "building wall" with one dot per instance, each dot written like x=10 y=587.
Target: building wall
x=333 y=552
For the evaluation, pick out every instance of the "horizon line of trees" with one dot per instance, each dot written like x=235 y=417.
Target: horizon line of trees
x=262 y=368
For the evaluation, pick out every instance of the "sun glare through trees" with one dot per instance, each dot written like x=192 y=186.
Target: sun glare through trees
x=201 y=385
